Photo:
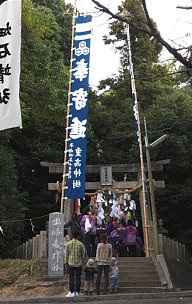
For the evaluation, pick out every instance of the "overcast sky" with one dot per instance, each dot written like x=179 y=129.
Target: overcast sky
x=173 y=24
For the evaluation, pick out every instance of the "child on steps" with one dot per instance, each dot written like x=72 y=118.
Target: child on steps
x=114 y=276
x=89 y=270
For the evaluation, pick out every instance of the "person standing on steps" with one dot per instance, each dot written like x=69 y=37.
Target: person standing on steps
x=103 y=261
x=73 y=256
x=114 y=276
x=89 y=270
x=74 y=223
x=131 y=234
x=90 y=235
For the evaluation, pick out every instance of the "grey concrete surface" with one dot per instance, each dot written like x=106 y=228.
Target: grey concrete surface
x=184 y=297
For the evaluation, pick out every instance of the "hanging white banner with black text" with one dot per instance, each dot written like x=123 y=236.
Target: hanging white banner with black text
x=77 y=141
x=10 y=44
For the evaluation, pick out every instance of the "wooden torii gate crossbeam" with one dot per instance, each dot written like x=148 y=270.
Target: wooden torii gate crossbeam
x=57 y=168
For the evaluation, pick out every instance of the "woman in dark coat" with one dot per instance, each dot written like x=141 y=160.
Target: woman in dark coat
x=74 y=223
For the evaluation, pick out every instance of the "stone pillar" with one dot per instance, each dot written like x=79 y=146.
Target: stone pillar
x=177 y=250
x=188 y=258
x=23 y=251
x=26 y=249
x=173 y=250
x=55 y=244
x=34 y=248
x=68 y=211
x=20 y=251
x=43 y=244
x=180 y=251
x=165 y=249
x=183 y=252
x=169 y=254
x=17 y=252
x=152 y=251
x=161 y=249
x=38 y=245
x=30 y=248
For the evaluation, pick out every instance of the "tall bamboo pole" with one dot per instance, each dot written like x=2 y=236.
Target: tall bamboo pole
x=133 y=87
x=151 y=188
x=68 y=108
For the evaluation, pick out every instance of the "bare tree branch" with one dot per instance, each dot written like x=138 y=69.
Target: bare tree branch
x=185 y=7
x=104 y=9
x=157 y=35
x=150 y=30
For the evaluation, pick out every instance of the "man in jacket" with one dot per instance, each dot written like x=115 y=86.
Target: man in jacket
x=74 y=256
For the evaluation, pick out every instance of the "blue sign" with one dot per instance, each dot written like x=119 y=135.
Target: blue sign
x=77 y=138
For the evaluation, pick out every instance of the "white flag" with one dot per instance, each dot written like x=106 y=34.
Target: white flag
x=10 y=44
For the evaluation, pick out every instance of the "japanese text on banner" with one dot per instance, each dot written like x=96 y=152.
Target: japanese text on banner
x=10 y=38
x=77 y=141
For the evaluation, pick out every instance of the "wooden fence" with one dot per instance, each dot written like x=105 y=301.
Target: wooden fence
x=35 y=248
x=173 y=250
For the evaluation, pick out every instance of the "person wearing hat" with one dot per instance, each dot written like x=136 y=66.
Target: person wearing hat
x=90 y=271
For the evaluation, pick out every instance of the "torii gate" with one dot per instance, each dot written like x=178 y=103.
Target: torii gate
x=157 y=166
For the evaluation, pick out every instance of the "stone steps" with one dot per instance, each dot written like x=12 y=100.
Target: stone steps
x=134 y=289
x=137 y=269
x=136 y=275
x=133 y=284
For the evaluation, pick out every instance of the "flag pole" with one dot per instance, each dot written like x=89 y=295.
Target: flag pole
x=68 y=109
x=136 y=113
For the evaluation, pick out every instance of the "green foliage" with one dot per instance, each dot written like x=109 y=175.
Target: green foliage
x=109 y=117
x=44 y=88
x=171 y=113
x=12 y=203
x=61 y=12
x=144 y=49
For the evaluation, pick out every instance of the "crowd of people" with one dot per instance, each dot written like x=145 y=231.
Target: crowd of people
x=122 y=234
x=102 y=242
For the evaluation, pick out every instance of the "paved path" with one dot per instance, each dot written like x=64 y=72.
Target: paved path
x=184 y=297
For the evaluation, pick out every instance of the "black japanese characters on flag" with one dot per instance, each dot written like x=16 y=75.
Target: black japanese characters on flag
x=4 y=70
x=1 y=1
x=10 y=45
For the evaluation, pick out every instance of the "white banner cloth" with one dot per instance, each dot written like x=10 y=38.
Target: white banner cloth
x=10 y=44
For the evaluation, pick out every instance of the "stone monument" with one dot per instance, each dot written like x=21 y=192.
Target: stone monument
x=56 y=246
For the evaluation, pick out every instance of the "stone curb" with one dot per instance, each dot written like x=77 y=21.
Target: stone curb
x=94 y=298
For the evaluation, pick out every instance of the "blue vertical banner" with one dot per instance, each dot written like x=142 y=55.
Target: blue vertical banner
x=78 y=115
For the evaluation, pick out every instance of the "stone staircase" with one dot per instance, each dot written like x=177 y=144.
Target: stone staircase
x=136 y=275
